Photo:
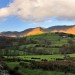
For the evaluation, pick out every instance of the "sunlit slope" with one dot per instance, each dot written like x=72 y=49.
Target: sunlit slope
x=70 y=30
x=35 y=31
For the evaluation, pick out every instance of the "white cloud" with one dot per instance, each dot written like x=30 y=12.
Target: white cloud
x=37 y=10
x=48 y=21
x=4 y=12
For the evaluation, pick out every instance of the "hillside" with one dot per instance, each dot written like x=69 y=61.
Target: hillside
x=65 y=29
x=40 y=30
x=35 y=31
x=47 y=43
x=70 y=30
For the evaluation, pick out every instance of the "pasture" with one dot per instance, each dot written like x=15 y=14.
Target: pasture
x=41 y=57
x=27 y=71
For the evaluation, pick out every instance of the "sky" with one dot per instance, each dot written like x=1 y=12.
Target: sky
x=18 y=15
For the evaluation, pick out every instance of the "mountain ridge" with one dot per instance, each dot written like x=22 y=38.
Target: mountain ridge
x=39 y=30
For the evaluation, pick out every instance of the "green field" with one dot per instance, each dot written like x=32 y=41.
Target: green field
x=47 y=57
x=26 y=71
x=44 y=47
x=43 y=44
x=39 y=57
x=42 y=72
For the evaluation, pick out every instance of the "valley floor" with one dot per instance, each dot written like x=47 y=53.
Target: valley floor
x=28 y=71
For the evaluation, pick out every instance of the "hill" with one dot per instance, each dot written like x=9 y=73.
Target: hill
x=36 y=31
x=64 y=29
x=40 y=30
x=47 y=43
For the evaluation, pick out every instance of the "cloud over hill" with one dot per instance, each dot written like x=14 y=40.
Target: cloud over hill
x=38 y=10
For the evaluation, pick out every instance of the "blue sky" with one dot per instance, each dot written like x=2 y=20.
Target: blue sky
x=14 y=23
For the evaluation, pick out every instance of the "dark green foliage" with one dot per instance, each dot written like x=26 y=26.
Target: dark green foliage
x=66 y=65
x=43 y=44
x=68 y=48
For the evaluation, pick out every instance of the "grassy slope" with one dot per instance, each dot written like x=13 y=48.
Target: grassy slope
x=50 y=37
x=48 y=57
x=42 y=72
x=55 y=40
x=25 y=71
